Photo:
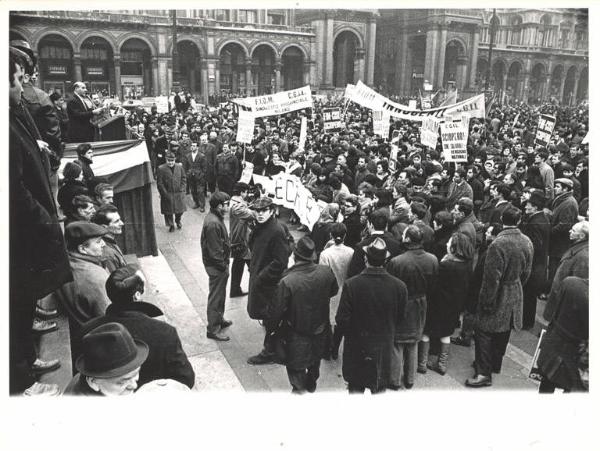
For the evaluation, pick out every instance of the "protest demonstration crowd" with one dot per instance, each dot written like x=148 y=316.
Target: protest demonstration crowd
x=421 y=228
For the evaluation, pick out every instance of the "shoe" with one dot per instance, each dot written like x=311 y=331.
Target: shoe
x=422 y=356
x=171 y=228
x=226 y=323
x=46 y=314
x=261 y=359
x=39 y=389
x=238 y=294
x=45 y=366
x=408 y=386
x=440 y=366
x=179 y=226
x=461 y=341
x=394 y=387
x=479 y=381
x=218 y=336
x=41 y=326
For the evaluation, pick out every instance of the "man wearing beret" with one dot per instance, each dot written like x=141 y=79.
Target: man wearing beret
x=85 y=298
x=109 y=364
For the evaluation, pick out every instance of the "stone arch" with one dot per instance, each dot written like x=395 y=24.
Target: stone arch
x=190 y=63
x=293 y=63
x=571 y=75
x=356 y=32
x=55 y=53
x=269 y=44
x=513 y=76
x=537 y=81
x=346 y=57
x=187 y=38
x=221 y=45
x=41 y=34
x=582 y=86
x=126 y=37
x=300 y=47
x=454 y=63
x=462 y=43
x=19 y=33
x=81 y=38
x=264 y=57
x=233 y=67
x=137 y=77
x=97 y=63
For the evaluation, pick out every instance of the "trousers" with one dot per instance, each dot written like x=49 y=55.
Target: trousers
x=304 y=380
x=197 y=189
x=403 y=363
x=22 y=346
x=215 y=306
x=490 y=348
x=169 y=219
x=237 y=270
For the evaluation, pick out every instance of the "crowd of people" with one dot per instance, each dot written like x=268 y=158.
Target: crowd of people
x=410 y=254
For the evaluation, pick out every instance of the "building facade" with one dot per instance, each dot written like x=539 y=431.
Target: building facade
x=536 y=53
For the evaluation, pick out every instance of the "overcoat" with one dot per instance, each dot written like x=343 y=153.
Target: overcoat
x=564 y=215
x=537 y=228
x=38 y=258
x=166 y=358
x=80 y=128
x=171 y=186
x=302 y=304
x=195 y=168
x=68 y=191
x=270 y=254
x=372 y=306
x=575 y=262
x=241 y=221
x=506 y=270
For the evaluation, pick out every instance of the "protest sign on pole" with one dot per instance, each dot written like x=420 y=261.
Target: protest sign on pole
x=302 y=141
x=245 y=127
x=278 y=103
x=429 y=131
x=381 y=124
x=332 y=119
x=162 y=104
x=454 y=138
x=247 y=172
x=412 y=104
x=545 y=128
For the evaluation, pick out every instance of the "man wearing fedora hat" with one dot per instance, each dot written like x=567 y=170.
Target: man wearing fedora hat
x=301 y=305
x=371 y=308
x=536 y=226
x=109 y=364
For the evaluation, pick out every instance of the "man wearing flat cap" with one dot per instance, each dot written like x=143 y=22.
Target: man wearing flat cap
x=301 y=305
x=85 y=297
x=109 y=364
x=371 y=308
x=270 y=253
x=564 y=214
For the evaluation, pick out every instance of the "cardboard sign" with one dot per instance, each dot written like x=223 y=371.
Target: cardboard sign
x=381 y=124
x=332 y=119
x=303 y=127
x=545 y=128
x=245 y=127
x=454 y=139
x=162 y=104
x=429 y=131
x=412 y=104
x=247 y=172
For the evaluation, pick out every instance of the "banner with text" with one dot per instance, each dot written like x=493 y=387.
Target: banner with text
x=288 y=191
x=455 y=133
x=332 y=119
x=278 y=103
x=545 y=128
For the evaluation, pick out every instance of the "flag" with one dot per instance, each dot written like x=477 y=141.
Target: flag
x=450 y=98
x=488 y=107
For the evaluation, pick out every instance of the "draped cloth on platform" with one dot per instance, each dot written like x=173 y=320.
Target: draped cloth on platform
x=126 y=166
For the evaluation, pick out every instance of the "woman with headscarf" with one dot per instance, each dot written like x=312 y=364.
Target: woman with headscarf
x=73 y=185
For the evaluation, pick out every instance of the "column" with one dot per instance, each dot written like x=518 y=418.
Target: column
x=278 y=75
x=461 y=72
x=525 y=86
x=306 y=73
x=117 y=63
x=204 y=81
x=402 y=70
x=371 y=41
x=248 y=62
x=430 y=52
x=441 y=57
x=218 y=76
x=162 y=76
x=328 y=50
x=474 y=58
x=575 y=86
x=359 y=65
x=546 y=87
x=561 y=90
x=77 y=66
x=155 y=80
x=504 y=78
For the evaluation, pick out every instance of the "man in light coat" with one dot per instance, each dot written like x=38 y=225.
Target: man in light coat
x=500 y=307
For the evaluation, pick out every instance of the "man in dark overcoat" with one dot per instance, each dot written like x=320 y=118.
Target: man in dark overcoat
x=227 y=167
x=500 y=307
x=301 y=305
x=38 y=259
x=171 y=182
x=536 y=227
x=195 y=166
x=166 y=358
x=371 y=308
x=81 y=110
x=270 y=254
x=211 y=149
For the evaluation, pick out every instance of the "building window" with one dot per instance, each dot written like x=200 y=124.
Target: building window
x=57 y=53
x=222 y=14
x=276 y=18
x=247 y=16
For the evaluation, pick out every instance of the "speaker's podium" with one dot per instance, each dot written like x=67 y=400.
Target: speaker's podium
x=110 y=129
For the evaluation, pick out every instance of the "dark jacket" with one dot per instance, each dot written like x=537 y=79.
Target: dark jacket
x=86 y=168
x=560 y=350
x=80 y=128
x=166 y=358
x=44 y=115
x=79 y=387
x=215 y=241
x=354 y=228
x=537 y=228
x=418 y=270
x=270 y=254
x=477 y=188
x=507 y=268
x=302 y=304
x=357 y=264
x=575 y=262
x=37 y=255
x=195 y=168
x=210 y=150
x=371 y=307
x=564 y=215
x=241 y=221
x=112 y=255
x=171 y=186
x=68 y=191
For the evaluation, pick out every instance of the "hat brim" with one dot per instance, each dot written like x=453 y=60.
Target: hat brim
x=387 y=253
x=309 y=258
x=142 y=355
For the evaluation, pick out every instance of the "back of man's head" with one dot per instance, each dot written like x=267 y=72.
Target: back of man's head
x=379 y=220
x=123 y=283
x=511 y=217
x=413 y=234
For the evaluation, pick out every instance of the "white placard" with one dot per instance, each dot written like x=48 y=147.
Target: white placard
x=429 y=131
x=454 y=139
x=303 y=127
x=245 y=127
